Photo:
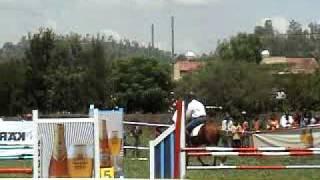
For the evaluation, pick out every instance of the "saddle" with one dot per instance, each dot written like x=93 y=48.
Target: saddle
x=195 y=131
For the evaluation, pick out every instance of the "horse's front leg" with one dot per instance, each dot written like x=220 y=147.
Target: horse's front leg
x=187 y=160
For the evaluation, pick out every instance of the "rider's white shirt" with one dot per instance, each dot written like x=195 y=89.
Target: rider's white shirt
x=286 y=123
x=196 y=109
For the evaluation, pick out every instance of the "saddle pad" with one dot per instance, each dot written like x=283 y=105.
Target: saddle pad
x=195 y=131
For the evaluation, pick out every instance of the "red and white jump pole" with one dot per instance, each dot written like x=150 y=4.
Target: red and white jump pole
x=195 y=149
x=298 y=153
x=15 y=170
x=276 y=167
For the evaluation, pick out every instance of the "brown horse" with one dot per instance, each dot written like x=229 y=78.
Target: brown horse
x=209 y=135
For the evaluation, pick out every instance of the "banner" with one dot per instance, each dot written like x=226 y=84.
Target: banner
x=16 y=132
x=293 y=138
x=66 y=149
x=16 y=152
x=111 y=143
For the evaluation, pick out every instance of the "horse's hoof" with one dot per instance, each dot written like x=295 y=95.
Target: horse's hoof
x=205 y=164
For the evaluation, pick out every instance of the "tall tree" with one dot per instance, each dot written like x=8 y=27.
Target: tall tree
x=142 y=84
x=243 y=47
x=37 y=60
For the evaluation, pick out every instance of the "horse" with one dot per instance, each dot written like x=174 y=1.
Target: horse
x=209 y=134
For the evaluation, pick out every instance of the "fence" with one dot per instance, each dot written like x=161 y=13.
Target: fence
x=136 y=147
x=168 y=153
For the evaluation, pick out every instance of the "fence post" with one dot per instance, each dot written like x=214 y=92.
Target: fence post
x=151 y=159
x=36 y=162
x=96 y=143
x=183 y=142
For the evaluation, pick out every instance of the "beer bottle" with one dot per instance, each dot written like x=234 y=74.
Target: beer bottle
x=58 y=164
x=105 y=159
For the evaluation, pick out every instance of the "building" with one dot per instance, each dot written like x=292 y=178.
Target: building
x=292 y=65
x=186 y=64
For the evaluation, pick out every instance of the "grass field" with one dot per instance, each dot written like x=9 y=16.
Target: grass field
x=15 y=163
x=140 y=169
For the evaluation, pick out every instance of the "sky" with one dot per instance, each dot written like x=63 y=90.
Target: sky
x=199 y=24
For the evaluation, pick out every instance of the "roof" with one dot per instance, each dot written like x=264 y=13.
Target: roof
x=274 y=60
x=307 y=65
x=188 y=66
x=296 y=65
x=190 y=54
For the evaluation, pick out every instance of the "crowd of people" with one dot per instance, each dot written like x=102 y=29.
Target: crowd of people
x=239 y=132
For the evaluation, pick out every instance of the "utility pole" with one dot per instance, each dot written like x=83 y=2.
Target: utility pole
x=152 y=36
x=172 y=37
x=172 y=48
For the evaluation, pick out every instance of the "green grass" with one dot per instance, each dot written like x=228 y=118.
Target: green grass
x=300 y=174
x=140 y=169
x=16 y=163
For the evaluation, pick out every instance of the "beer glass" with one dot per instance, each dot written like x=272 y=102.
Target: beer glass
x=80 y=160
x=115 y=147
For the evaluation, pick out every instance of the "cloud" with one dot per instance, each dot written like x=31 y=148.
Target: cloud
x=109 y=32
x=279 y=23
x=160 y=3
x=50 y=23
x=194 y=2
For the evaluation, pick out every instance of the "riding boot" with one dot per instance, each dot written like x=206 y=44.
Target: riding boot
x=188 y=137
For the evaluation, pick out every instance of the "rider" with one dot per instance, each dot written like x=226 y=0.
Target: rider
x=196 y=113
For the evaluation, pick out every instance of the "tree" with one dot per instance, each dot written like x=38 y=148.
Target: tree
x=235 y=86
x=243 y=47
x=12 y=81
x=38 y=58
x=142 y=84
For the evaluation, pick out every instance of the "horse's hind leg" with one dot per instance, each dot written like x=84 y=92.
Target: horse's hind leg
x=214 y=160
x=201 y=161
x=223 y=160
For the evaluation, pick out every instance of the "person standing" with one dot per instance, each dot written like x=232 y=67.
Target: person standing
x=286 y=121
x=273 y=123
x=236 y=130
x=245 y=141
x=256 y=124
x=226 y=127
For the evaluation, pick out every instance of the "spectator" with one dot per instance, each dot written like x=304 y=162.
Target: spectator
x=296 y=120
x=227 y=129
x=245 y=135
x=256 y=124
x=227 y=123
x=236 y=130
x=273 y=123
x=312 y=120
x=286 y=120
x=158 y=131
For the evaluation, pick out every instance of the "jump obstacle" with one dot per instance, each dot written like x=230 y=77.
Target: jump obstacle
x=142 y=148
x=168 y=152
x=15 y=170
